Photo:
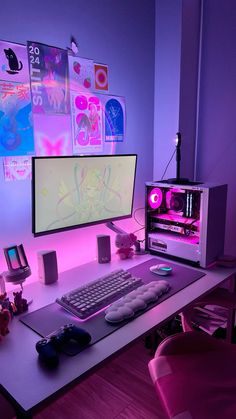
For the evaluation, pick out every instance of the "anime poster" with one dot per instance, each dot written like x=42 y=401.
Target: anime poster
x=17 y=168
x=16 y=130
x=87 y=123
x=49 y=79
x=13 y=62
x=101 y=77
x=52 y=135
x=81 y=74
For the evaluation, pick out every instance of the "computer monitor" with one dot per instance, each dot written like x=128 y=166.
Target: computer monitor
x=76 y=191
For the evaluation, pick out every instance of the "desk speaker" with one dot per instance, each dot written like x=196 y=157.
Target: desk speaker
x=47 y=266
x=103 y=248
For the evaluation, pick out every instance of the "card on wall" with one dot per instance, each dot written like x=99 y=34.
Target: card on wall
x=16 y=130
x=87 y=123
x=13 y=62
x=17 y=168
x=49 y=79
x=52 y=135
x=81 y=73
x=101 y=77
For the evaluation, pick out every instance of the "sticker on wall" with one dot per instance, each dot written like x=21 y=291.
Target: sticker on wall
x=101 y=77
x=49 y=79
x=86 y=123
x=52 y=135
x=17 y=168
x=16 y=130
x=81 y=73
x=13 y=62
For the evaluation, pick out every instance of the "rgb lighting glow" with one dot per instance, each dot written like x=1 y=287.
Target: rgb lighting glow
x=155 y=198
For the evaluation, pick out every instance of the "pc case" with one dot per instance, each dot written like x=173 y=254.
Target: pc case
x=186 y=222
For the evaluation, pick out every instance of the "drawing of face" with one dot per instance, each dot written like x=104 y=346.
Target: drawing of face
x=19 y=167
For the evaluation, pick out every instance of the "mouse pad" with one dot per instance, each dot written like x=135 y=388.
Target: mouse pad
x=48 y=319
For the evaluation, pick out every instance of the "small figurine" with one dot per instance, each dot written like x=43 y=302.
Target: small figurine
x=6 y=303
x=124 y=242
x=20 y=303
x=5 y=317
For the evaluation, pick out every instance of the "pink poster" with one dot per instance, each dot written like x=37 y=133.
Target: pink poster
x=87 y=124
x=52 y=135
x=81 y=74
x=17 y=168
x=13 y=62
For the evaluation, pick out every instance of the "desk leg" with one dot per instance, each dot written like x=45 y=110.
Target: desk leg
x=231 y=314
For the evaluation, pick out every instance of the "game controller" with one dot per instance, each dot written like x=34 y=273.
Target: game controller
x=49 y=347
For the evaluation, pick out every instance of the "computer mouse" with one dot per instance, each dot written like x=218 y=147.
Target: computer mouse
x=161 y=269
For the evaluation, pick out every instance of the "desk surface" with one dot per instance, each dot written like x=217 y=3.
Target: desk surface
x=24 y=380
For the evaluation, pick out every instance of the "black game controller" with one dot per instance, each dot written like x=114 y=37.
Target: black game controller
x=49 y=347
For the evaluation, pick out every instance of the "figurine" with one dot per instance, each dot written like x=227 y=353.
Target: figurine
x=5 y=317
x=124 y=242
x=20 y=303
x=6 y=303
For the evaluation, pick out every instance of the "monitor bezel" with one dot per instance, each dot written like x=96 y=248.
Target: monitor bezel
x=74 y=227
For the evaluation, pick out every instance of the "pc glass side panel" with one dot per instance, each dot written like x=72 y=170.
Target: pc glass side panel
x=213 y=223
x=179 y=221
x=76 y=191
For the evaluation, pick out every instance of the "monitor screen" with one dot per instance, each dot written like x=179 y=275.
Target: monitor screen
x=76 y=191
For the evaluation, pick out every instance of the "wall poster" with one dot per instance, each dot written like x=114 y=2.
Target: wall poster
x=87 y=124
x=17 y=168
x=49 y=79
x=114 y=116
x=52 y=135
x=16 y=130
x=101 y=77
x=81 y=74
x=13 y=62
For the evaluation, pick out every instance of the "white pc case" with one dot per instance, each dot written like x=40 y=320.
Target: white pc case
x=186 y=222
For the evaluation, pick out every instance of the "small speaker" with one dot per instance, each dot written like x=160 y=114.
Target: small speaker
x=103 y=248
x=47 y=266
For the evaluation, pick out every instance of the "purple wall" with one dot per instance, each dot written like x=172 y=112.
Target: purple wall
x=216 y=151
x=167 y=84
x=120 y=34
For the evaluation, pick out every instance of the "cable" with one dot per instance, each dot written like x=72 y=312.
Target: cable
x=188 y=227
x=168 y=164
x=134 y=215
x=136 y=231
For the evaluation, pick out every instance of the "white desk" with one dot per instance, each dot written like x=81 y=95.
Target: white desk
x=23 y=380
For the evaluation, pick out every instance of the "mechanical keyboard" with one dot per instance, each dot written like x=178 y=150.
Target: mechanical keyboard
x=97 y=295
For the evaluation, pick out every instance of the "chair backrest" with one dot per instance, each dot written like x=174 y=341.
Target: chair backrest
x=193 y=373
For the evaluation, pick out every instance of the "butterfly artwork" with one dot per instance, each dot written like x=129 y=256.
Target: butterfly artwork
x=52 y=135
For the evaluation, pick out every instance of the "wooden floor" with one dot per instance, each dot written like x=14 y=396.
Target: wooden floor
x=122 y=389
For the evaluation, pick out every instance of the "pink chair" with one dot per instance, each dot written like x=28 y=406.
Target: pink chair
x=194 y=373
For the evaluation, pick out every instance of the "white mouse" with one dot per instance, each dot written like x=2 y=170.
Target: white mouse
x=161 y=269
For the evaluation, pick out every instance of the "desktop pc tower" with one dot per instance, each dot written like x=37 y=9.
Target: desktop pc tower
x=185 y=222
